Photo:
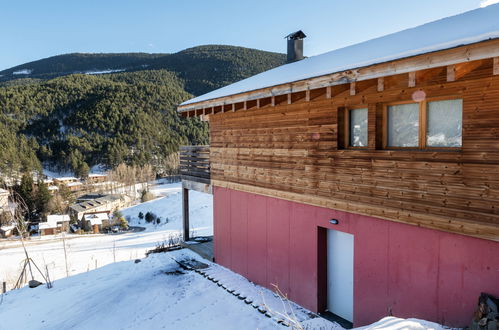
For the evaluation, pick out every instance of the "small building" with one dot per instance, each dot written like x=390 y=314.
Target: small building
x=88 y=197
x=53 y=189
x=95 y=221
x=96 y=178
x=6 y=231
x=105 y=203
x=65 y=180
x=55 y=224
x=364 y=181
x=74 y=186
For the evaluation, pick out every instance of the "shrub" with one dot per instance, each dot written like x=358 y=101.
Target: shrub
x=141 y=215
x=146 y=196
x=123 y=223
x=158 y=221
x=150 y=217
x=117 y=214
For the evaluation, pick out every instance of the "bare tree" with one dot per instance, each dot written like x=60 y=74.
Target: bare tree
x=18 y=210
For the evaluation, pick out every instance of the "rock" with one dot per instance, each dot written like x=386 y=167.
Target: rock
x=34 y=283
x=137 y=261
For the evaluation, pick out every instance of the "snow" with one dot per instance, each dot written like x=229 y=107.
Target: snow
x=104 y=71
x=23 y=71
x=151 y=294
x=467 y=28
x=96 y=175
x=486 y=3
x=7 y=227
x=52 y=221
x=96 y=218
x=169 y=207
x=92 y=251
x=72 y=184
x=395 y=323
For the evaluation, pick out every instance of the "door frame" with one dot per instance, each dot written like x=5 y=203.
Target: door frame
x=322 y=278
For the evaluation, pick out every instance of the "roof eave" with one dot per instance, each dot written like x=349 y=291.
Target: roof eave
x=459 y=54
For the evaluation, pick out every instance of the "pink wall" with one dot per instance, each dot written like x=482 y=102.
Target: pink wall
x=410 y=271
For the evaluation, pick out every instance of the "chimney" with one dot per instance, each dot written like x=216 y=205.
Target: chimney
x=295 y=46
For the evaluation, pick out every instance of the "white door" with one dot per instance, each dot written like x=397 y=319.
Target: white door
x=340 y=274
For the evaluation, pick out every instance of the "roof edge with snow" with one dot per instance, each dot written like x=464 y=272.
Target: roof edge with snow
x=344 y=65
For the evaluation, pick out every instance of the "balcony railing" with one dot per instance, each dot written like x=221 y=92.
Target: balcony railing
x=195 y=163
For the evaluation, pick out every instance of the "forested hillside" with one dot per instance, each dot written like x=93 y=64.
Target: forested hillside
x=75 y=121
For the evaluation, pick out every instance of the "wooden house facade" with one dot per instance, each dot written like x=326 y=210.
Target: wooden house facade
x=370 y=191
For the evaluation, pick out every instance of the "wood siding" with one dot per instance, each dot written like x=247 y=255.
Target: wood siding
x=293 y=151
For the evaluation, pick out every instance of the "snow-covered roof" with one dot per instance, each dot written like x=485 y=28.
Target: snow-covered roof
x=96 y=218
x=66 y=178
x=467 y=28
x=7 y=228
x=47 y=225
x=71 y=184
x=53 y=221
x=96 y=175
x=54 y=218
x=53 y=188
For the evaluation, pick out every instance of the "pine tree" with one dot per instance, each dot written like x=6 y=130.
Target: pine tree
x=43 y=198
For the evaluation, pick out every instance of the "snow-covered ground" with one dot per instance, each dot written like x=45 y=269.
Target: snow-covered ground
x=156 y=293
x=92 y=251
x=152 y=294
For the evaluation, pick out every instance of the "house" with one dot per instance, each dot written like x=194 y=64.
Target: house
x=96 y=178
x=104 y=203
x=55 y=224
x=53 y=189
x=74 y=186
x=6 y=231
x=95 y=221
x=65 y=180
x=365 y=181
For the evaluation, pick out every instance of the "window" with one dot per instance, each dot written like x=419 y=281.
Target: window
x=358 y=127
x=444 y=124
x=429 y=124
x=403 y=125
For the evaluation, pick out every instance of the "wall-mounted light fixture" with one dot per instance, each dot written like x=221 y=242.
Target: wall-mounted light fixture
x=334 y=221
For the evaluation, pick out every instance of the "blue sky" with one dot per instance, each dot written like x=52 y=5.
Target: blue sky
x=34 y=29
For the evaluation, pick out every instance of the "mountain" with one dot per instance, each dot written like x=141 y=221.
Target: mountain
x=204 y=68
x=77 y=110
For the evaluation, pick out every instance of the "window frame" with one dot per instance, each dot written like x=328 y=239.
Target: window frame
x=423 y=123
x=346 y=127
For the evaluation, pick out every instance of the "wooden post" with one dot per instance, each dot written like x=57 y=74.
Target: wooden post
x=185 y=213
x=496 y=66
x=451 y=73
x=381 y=84
x=4 y=287
x=412 y=79
x=352 y=88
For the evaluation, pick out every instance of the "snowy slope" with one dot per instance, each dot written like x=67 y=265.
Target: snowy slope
x=92 y=251
x=130 y=295
x=467 y=28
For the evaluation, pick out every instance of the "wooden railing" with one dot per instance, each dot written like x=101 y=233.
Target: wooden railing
x=195 y=163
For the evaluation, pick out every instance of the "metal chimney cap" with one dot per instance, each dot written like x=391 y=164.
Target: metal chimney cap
x=296 y=35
